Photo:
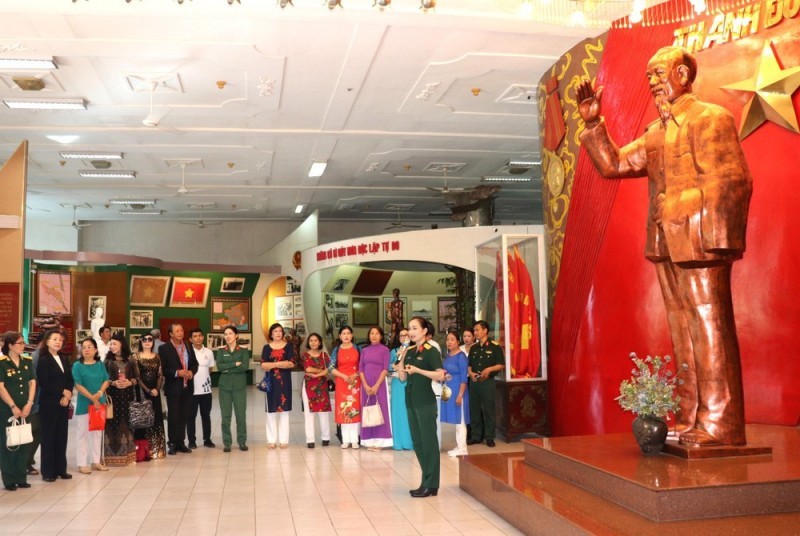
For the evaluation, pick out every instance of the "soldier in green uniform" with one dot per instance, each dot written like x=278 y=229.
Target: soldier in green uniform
x=485 y=361
x=233 y=363
x=418 y=367
x=17 y=392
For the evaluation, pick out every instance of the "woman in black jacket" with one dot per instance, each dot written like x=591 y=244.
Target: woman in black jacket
x=54 y=376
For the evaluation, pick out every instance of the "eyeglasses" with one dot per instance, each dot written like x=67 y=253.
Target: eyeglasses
x=20 y=342
x=145 y=339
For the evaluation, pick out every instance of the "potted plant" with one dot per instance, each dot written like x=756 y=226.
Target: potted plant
x=650 y=395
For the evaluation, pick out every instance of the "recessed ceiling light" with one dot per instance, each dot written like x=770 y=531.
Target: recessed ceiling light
x=317 y=169
x=505 y=179
x=66 y=138
x=107 y=174
x=140 y=212
x=299 y=209
x=524 y=163
x=80 y=155
x=20 y=63
x=132 y=201
x=45 y=104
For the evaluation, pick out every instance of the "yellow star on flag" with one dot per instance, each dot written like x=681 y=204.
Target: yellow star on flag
x=771 y=99
x=189 y=293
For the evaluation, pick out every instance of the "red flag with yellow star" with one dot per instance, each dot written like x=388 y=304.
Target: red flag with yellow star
x=187 y=292
x=529 y=355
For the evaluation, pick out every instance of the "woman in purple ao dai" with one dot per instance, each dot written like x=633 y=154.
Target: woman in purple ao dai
x=373 y=370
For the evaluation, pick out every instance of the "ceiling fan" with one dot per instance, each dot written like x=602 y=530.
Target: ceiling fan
x=200 y=223
x=397 y=224
x=446 y=190
x=153 y=119
x=183 y=189
x=75 y=225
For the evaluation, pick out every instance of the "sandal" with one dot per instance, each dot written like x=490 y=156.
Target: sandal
x=271 y=446
x=284 y=445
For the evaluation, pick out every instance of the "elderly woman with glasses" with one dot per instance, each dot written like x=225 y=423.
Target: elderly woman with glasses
x=152 y=380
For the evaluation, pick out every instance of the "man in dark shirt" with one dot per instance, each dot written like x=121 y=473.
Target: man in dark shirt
x=485 y=361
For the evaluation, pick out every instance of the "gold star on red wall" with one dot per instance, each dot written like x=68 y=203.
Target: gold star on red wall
x=771 y=91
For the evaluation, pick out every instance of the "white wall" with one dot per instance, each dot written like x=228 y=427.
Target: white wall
x=51 y=235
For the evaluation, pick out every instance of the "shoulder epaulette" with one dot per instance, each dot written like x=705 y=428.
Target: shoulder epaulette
x=3 y=358
x=495 y=343
x=29 y=358
x=427 y=346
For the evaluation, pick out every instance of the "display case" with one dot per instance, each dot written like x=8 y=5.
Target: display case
x=510 y=286
x=510 y=294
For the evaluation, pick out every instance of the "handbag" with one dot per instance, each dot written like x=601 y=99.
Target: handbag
x=141 y=411
x=331 y=386
x=109 y=407
x=142 y=450
x=265 y=385
x=19 y=433
x=371 y=415
x=70 y=411
x=97 y=418
x=446 y=392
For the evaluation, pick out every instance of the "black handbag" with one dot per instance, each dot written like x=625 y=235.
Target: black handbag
x=141 y=411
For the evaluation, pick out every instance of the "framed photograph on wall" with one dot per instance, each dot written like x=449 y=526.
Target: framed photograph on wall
x=292 y=286
x=118 y=331
x=81 y=334
x=95 y=303
x=232 y=285
x=340 y=285
x=287 y=325
x=189 y=292
x=215 y=340
x=365 y=311
x=141 y=319
x=341 y=303
x=298 y=307
x=447 y=314
x=341 y=319
x=246 y=340
x=422 y=308
x=134 y=341
x=149 y=290
x=53 y=293
x=329 y=302
x=300 y=328
x=230 y=311
x=284 y=308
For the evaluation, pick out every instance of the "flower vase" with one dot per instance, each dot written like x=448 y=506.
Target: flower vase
x=650 y=432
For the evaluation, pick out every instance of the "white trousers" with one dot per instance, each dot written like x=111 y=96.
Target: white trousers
x=461 y=433
x=87 y=448
x=350 y=433
x=308 y=416
x=278 y=428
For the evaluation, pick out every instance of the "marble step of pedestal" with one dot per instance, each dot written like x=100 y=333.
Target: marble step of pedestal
x=537 y=502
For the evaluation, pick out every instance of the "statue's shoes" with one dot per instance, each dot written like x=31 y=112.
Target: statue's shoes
x=698 y=438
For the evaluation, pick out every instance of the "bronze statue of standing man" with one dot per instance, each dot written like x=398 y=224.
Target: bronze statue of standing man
x=700 y=190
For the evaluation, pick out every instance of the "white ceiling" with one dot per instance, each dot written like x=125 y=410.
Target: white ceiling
x=382 y=96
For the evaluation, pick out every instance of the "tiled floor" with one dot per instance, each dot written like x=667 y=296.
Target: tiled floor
x=324 y=491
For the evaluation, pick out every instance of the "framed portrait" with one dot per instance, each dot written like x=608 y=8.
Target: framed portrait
x=341 y=319
x=215 y=340
x=329 y=302
x=81 y=334
x=298 y=306
x=232 y=285
x=95 y=303
x=53 y=293
x=189 y=292
x=365 y=311
x=149 y=290
x=284 y=308
x=341 y=303
x=287 y=325
x=230 y=311
x=292 y=286
x=422 y=308
x=141 y=319
x=134 y=341
x=447 y=314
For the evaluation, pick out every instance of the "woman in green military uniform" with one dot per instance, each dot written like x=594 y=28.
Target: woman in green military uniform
x=233 y=363
x=420 y=365
x=17 y=391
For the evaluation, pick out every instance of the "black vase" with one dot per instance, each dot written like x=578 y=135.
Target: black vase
x=650 y=433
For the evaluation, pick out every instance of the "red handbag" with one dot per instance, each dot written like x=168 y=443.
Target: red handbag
x=142 y=450
x=97 y=418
